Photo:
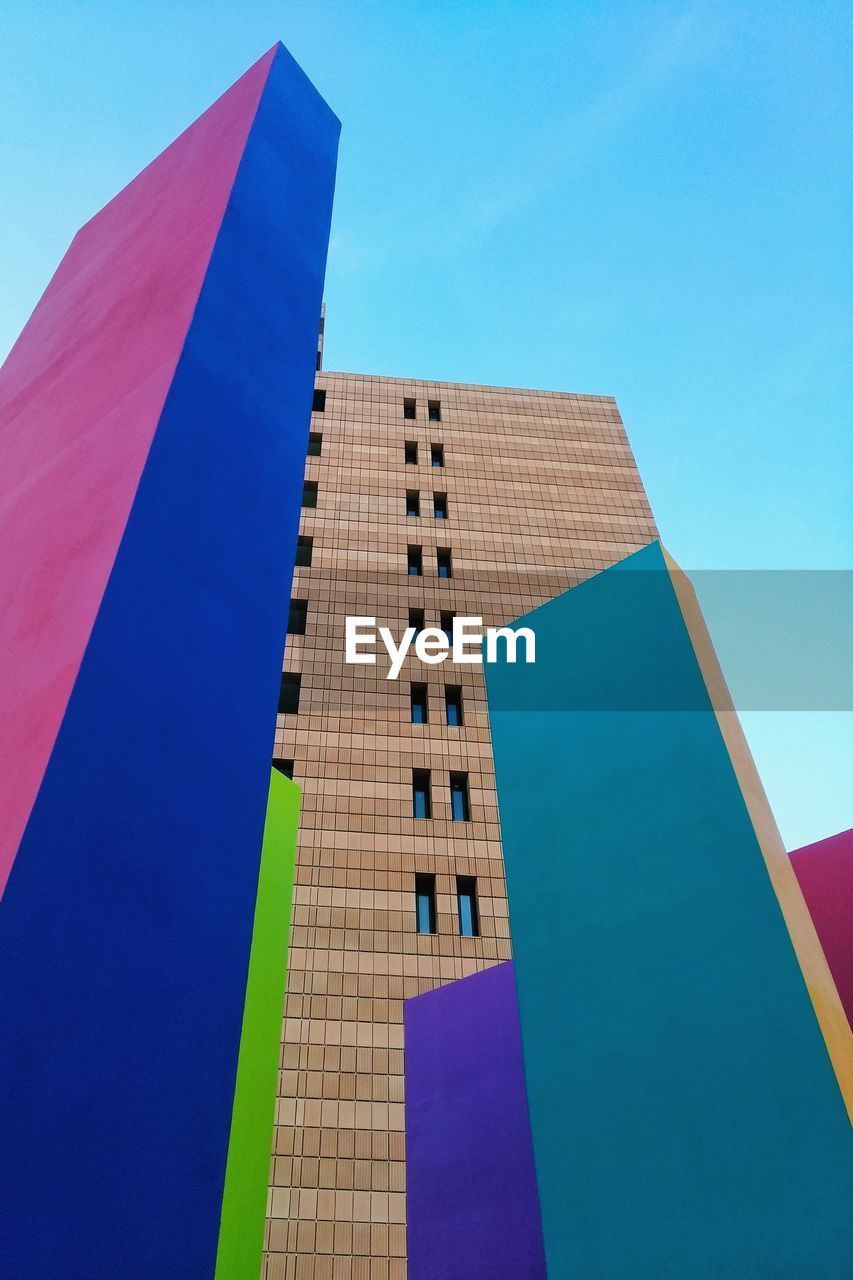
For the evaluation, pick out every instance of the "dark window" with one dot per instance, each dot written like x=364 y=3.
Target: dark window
x=411 y=453
x=315 y=444
x=298 y=618
x=420 y=714
x=447 y=624
x=437 y=455
x=459 y=806
x=319 y=405
x=425 y=903
x=439 y=505
x=304 y=551
x=435 y=411
x=319 y=362
x=309 y=493
x=288 y=697
x=415 y=562
x=453 y=704
x=408 y=408
x=413 y=502
x=442 y=556
x=466 y=899
x=421 y=800
x=284 y=766
x=416 y=620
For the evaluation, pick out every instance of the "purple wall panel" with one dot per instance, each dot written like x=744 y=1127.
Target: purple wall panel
x=472 y=1202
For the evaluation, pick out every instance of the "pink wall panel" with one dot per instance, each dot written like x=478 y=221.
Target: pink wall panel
x=80 y=397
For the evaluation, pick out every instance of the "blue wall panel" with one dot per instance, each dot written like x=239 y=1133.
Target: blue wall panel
x=124 y=934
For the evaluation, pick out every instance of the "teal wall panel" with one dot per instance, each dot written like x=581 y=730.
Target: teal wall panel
x=685 y=1115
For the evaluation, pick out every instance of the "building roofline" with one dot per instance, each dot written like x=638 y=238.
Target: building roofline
x=468 y=386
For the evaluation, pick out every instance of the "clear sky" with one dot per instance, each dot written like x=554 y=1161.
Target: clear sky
x=649 y=200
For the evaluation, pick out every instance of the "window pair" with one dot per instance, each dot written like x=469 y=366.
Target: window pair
x=415 y=562
x=452 y=704
x=460 y=807
x=410 y=409
x=417 y=620
x=410 y=453
x=413 y=504
x=466 y=905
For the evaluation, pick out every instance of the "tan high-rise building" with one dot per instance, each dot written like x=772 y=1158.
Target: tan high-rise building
x=433 y=499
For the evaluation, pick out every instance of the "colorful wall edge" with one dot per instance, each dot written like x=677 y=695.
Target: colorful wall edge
x=241 y=1232
x=817 y=974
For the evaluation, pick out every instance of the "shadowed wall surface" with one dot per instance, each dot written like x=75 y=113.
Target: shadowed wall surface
x=128 y=917
x=686 y=1119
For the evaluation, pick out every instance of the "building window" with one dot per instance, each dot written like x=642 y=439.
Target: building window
x=420 y=713
x=318 y=364
x=460 y=809
x=284 y=766
x=298 y=618
x=408 y=408
x=421 y=799
x=415 y=562
x=442 y=557
x=319 y=405
x=439 y=505
x=446 y=624
x=411 y=453
x=425 y=903
x=437 y=455
x=288 y=696
x=309 y=493
x=315 y=444
x=466 y=900
x=434 y=410
x=416 y=620
x=413 y=502
x=453 y=705
x=304 y=551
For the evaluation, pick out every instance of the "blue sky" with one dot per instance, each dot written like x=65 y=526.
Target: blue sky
x=645 y=200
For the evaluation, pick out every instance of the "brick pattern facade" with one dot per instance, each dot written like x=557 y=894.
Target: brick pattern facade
x=542 y=491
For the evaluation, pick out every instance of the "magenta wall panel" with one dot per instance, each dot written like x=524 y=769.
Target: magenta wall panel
x=80 y=398
x=825 y=873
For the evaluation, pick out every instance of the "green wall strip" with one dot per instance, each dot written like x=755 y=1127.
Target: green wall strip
x=244 y=1200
